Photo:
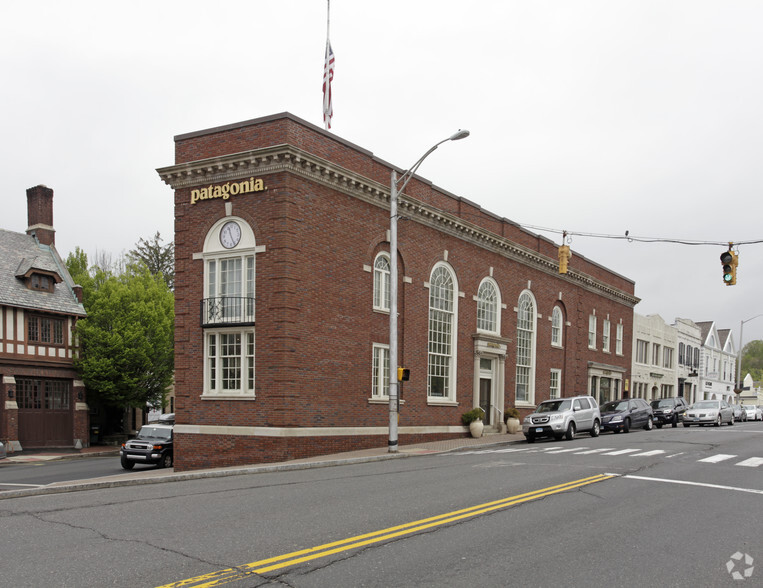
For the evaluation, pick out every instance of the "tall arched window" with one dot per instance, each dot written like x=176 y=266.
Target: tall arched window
x=488 y=307
x=381 y=282
x=525 y=380
x=442 y=312
x=557 y=326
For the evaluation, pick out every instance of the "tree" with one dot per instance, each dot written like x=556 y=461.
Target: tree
x=126 y=356
x=752 y=360
x=158 y=258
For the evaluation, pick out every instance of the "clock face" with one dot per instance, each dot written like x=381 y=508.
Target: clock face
x=230 y=235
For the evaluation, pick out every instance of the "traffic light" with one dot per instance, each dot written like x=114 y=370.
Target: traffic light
x=564 y=258
x=403 y=374
x=729 y=261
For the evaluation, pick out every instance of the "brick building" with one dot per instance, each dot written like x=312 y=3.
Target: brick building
x=282 y=302
x=43 y=401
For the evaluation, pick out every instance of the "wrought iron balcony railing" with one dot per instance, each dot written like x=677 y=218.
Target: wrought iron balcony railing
x=227 y=310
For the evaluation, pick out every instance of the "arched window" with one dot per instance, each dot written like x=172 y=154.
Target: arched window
x=488 y=307
x=557 y=326
x=227 y=311
x=442 y=312
x=526 y=320
x=381 y=282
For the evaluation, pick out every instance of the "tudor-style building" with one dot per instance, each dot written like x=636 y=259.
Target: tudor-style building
x=282 y=254
x=717 y=369
x=43 y=401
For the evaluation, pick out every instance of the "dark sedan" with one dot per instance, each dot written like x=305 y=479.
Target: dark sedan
x=625 y=414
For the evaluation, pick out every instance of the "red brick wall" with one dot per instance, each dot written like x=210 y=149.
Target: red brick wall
x=315 y=324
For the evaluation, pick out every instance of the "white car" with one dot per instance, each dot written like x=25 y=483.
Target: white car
x=709 y=412
x=753 y=412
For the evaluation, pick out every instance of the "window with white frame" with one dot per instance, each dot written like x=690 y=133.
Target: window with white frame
x=555 y=386
x=488 y=305
x=526 y=322
x=619 y=339
x=380 y=371
x=557 y=326
x=381 y=282
x=228 y=309
x=592 y=331
x=605 y=335
x=656 y=349
x=442 y=309
x=642 y=351
x=667 y=357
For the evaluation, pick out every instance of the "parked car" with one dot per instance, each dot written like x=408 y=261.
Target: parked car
x=563 y=417
x=2 y=450
x=668 y=411
x=626 y=413
x=709 y=412
x=152 y=445
x=754 y=413
x=740 y=414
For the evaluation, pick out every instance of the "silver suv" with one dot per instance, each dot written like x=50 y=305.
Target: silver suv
x=563 y=417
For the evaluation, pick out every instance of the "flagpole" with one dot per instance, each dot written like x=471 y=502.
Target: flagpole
x=326 y=86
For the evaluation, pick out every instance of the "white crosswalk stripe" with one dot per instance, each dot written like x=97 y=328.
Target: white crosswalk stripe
x=648 y=453
x=565 y=450
x=752 y=462
x=621 y=452
x=590 y=451
x=717 y=458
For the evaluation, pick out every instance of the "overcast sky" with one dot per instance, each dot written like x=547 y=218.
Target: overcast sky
x=590 y=116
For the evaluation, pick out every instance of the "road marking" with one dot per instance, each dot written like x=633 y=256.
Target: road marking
x=685 y=483
x=621 y=452
x=753 y=462
x=648 y=453
x=716 y=458
x=566 y=450
x=228 y=575
x=601 y=449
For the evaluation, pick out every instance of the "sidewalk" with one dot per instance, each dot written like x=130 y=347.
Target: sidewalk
x=156 y=476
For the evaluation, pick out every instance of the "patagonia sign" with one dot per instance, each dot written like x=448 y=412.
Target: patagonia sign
x=227 y=190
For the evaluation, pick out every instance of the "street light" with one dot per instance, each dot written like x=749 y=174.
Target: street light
x=739 y=355
x=395 y=188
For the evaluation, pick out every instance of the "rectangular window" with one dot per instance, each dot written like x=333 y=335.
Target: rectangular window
x=592 y=331
x=41 y=329
x=380 y=371
x=667 y=357
x=554 y=388
x=619 y=339
x=605 y=336
x=642 y=352
x=656 y=348
x=33 y=394
x=230 y=362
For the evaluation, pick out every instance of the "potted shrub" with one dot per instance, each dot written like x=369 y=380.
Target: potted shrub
x=512 y=420
x=473 y=420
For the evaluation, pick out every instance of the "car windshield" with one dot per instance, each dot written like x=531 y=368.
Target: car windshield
x=154 y=433
x=664 y=403
x=616 y=406
x=554 y=406
x=706 y=404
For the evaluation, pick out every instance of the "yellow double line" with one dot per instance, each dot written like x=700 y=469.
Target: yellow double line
x=297 y=557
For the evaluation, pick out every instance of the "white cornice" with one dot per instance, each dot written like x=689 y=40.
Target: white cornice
x=279 y=158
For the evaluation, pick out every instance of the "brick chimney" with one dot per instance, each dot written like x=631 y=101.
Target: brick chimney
x=40 y=214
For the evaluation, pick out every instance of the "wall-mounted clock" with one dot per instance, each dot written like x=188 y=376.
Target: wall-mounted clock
x=230 y=234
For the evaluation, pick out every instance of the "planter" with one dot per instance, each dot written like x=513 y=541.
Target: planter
x=476 y=428
x=513 y=426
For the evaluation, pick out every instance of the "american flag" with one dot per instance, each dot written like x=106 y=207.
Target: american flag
x=328 y=77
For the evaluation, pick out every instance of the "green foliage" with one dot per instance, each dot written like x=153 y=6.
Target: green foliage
x=126 y=354
x=474 y=414
x=158 y=258
x=752 y=360
x=511 y=413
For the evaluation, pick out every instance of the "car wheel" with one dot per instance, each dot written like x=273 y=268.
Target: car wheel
x=166 y=461
x=627 y=426
x=674 y=422
x=558 y=436
x=570 y=434
x=731 y=422
x=649 y=424
x=596 y=428
x=686 y=425
x=718 y=421
x=530 y=438
x=659 y=425
x=127 y=464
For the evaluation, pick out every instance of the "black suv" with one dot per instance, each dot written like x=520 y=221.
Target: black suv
x=668 y=411
x=152 y=445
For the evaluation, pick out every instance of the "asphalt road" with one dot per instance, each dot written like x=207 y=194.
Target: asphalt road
x=672 y=507
x=41 y=473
